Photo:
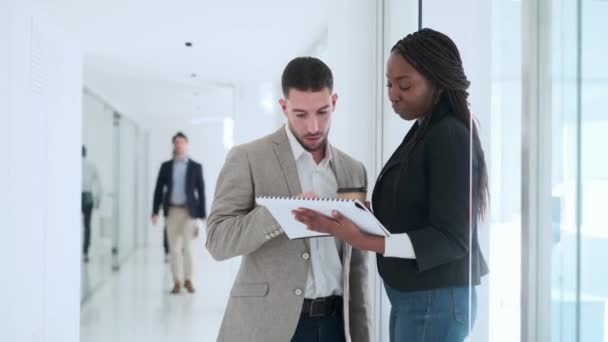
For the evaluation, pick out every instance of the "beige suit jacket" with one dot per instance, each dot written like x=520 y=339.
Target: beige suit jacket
x=266 y=298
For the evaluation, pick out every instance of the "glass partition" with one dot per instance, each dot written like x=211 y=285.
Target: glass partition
x=115 y=172
x=400 y=18
x=579 y=186
x=97 y=137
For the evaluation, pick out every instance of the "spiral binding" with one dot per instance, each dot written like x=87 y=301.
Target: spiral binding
x=307 y=199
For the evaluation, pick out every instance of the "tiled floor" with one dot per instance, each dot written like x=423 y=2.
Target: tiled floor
x=135 y=305
x=97 y=270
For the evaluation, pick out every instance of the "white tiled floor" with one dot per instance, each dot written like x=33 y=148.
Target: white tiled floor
x=134 y=304
x=98 y=270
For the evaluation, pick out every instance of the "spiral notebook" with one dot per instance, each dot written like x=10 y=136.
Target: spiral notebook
x=281 y=209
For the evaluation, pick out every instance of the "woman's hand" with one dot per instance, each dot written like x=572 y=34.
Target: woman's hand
x=337 y=225
x=340 y=227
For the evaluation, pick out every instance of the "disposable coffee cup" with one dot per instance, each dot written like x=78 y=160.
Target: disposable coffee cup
x=359 y=194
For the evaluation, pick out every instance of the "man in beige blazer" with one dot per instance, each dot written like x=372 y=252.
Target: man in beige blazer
x=312 y=290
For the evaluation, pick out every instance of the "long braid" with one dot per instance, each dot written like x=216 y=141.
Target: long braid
x=436 y=57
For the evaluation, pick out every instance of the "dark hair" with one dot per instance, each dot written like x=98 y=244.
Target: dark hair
x=84 y=151
x=306 y=74
x=436 y=57
x=179 y=135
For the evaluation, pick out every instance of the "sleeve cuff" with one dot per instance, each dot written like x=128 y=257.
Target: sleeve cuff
x=274 y=230
x=275 y=233
x=399 y=246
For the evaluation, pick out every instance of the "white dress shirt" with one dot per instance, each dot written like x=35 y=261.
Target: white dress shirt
x=178 y=187
x=91 y=182
x=399 y=246
x=325 y=274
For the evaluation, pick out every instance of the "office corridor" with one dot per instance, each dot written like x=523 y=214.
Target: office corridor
x=134 y=304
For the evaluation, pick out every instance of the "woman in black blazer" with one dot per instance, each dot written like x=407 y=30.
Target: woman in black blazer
x=430 y=196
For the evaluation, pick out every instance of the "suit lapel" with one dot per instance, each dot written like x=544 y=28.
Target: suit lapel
x=396 y=157
x=342 y=176
x=284 y=154
x=189 y=174
x=170 y=177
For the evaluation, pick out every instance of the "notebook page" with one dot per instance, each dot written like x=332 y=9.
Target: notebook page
x=281 y=209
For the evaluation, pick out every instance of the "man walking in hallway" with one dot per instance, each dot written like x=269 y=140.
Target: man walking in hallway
x=180 y=191
x=91 y=199
x=312 y=290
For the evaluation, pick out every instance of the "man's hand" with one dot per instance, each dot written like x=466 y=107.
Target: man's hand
x=154 y=219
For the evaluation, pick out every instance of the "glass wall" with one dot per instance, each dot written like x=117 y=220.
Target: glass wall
x=579 y=180
x=400 y=19
x=117 y=154
x=97 y=137
x=127 y=170
x=503 y=134
x=491 y=48
x=593 y=171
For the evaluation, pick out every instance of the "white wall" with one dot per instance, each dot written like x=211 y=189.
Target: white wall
x=257 y=112
x=352 y=49
x=400 y=19
x=6 y=31
x=40 y=258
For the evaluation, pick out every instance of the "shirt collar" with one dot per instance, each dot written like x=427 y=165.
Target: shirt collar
x=185 y=160
x=298 y=150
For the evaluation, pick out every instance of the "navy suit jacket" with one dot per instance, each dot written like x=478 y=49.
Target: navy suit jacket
x=195 y=189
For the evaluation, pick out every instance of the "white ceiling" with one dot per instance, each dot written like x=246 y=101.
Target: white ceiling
x=135 y=54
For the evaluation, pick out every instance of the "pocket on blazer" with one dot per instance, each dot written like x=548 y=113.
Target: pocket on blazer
x=249 y=290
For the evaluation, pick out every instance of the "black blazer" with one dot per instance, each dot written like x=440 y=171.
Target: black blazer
x=427 y=197
x=195 y=189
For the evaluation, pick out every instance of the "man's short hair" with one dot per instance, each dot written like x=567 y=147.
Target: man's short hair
x=179 y=135
x=306 y=74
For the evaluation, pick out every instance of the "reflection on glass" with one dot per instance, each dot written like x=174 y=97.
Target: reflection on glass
x=115 y=158
x=580 y=175
x=127 y=192
x=504 y=152
x=564 y=177
x=97 y=171
x=91 y=199
x=594 y=172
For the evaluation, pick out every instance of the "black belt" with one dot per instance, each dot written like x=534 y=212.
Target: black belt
x=177 y=206
x=320 y=307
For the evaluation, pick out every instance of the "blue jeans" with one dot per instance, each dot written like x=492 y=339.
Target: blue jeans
x=438 y=315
